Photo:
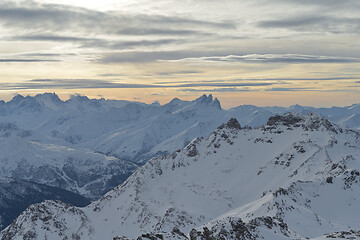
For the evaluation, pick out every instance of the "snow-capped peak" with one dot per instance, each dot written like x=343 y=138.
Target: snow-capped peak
x=17 y=98
x=208 y=100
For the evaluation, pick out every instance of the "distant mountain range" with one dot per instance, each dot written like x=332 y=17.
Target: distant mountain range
x=296 y=177
x=136 y=131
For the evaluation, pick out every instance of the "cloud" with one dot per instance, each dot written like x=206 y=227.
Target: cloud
x=322 y=3
x=50 y=37
x=22 y=60
x=159 y=31
x=33 y=57
x=291 y=22
x=96 y=42
x=39 y=54
x=278 y=80
x=223 y=84
x=56 y=17
x=74 y=84
x=272 y=58
x=179 y=72
x=281 y=89
x=314 y=23
x=112 y=75
x=144 y=56
x=231 y=89
x=122 y=45
x=99 y=83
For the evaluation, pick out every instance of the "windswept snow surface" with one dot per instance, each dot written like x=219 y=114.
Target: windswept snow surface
x=297 y=177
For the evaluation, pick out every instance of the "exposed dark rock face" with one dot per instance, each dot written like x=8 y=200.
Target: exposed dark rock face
x=352 y=234
x=238 y=229
x=310 y=122
x=231 y=124
x=287 y=120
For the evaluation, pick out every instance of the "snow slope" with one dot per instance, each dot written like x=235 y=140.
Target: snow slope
x=297 y=177
x=33 y=157
x=17 y=195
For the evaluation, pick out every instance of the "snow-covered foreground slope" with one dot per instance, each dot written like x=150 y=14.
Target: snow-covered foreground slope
x=16 y=195
x=295 y=178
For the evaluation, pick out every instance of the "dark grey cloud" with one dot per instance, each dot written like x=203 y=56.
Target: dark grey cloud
x=322 y=3
x=292 y=22
x=150 y=56
x=178 y=73
x=36 y=57
x=50 y=37
x=68 y=84
x=224 y=84
x=265 y=79
x=158 y=31
x=284 y=89
x=274 y=58
x=31 y=21
x=96 y=42
x=37 y=54
x=99 y=83
x=112 y=75
x=21 y=60
x=126 y=45
x=228 y=89
x=341 y=24
x=139 y=56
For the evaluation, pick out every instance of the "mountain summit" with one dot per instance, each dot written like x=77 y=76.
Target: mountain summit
x=208 y=100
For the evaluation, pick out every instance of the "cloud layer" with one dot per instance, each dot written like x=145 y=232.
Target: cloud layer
x=274 y=58
x=184 y=47
x=99 y=83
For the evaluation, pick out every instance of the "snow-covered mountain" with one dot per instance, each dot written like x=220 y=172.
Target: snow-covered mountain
x=136 y=131
x=89 y=146
x=254 y=116
x=297 y=177
x=17 y=195
x=31 y=156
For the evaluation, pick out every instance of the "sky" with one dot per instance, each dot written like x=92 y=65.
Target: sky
x=263 y=52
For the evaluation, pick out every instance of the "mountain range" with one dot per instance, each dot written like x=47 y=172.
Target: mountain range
x=296 y=177
x=89 y=146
